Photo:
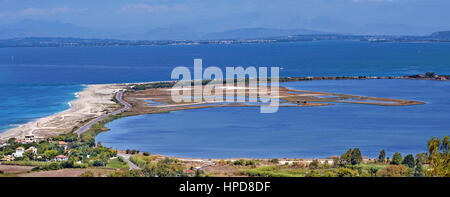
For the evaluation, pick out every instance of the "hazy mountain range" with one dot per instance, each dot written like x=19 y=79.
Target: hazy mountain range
x=35 y=28
x=40 y=28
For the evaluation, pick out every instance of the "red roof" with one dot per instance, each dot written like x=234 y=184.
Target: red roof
x=61 y=156
x=189 y=171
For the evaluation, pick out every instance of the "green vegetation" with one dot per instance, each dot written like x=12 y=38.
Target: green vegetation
x=118 y=163
x=153 y=85
x=382 y=156
x=151 y=166
x=396 y=159
x=72 y=152
x=393 y=171
x=409 y=161
x=87 y=174
x=438 y=157
x=435 y=163
x=83 y=152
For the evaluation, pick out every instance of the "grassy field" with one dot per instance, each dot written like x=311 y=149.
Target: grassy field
x=117 y=164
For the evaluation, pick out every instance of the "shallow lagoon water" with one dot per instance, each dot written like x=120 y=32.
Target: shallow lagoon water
x=303 y=132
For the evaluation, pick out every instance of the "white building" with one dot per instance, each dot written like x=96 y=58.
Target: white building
x=19 y=152
x=29 y=139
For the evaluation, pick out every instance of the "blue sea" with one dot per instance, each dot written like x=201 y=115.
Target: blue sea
x=36 y=82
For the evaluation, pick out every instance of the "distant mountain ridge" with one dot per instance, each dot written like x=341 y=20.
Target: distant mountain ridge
x=246 y=33
x=441 y=34
x=37 y=28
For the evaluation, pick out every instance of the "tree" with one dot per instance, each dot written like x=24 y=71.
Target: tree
x=314 y=164
x=356 y=157
x=429 y=74
x=418 y=171
x=29 y=154
x=146 y=153
x=393 y=171
x=422 y=158
x=50 y=154
x=11 y=140
x=396 y=159
x=382 y=156
x=346 y=158
x=439 y=161
x=409 y=161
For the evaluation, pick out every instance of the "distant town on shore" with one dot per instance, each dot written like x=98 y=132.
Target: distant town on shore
x=443 y=36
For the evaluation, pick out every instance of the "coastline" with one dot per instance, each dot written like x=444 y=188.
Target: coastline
x=93 y=101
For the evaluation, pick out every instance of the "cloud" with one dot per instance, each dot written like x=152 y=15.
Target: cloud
x=40 y=12
x=146 y=8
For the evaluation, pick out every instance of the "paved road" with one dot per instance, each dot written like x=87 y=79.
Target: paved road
x=87 y=126
x=127 y=159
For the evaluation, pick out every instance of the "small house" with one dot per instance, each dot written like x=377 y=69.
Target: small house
x=63 y=144
x=61 y=158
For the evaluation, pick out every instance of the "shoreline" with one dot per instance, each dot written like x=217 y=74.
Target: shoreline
x=93 y=101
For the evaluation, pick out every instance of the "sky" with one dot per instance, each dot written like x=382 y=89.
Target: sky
x=340 y=16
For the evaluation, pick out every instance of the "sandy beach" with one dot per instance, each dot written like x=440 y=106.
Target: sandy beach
x=93 y=101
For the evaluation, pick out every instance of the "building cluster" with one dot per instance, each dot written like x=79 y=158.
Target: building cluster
x=28 y=139
x=20 y=151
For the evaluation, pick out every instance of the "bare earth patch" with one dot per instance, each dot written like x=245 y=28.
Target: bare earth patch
x=11 y=169
x=67 y=173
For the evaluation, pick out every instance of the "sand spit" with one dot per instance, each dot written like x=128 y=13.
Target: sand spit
x=93 y=101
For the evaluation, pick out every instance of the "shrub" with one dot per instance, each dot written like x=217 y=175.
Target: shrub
x=146 y=153
x=250 y=163
x=136 y=159
x=67 y=164
x=87 y=174
x=239 y=162
x=97 y=163
x=52 y=166
x=393 y=171
x=346 y=172
x=274 y=161
x=418 y=171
